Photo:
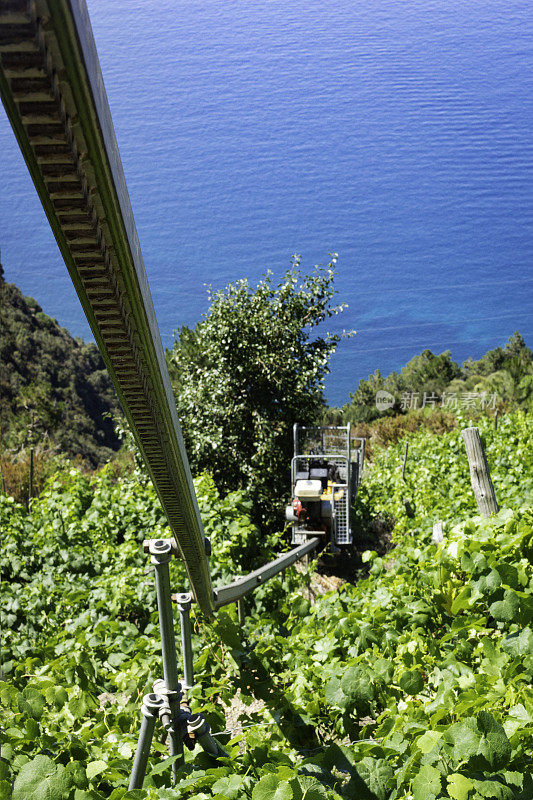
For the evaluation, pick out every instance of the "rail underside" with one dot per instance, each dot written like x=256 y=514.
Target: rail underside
x=54 y=96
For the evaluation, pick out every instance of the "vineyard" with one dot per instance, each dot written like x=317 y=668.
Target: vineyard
x=413 y=680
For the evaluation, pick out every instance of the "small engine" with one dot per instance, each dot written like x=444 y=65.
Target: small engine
x=310 y=508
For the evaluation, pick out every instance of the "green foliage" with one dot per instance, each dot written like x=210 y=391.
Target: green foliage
x=56 y=393
x=437 y=478
x=389 y=430
x=80 y=547
x=501 y=358
x=424 y=373
x=248 y=371
x=506 y=372
x=416 y=682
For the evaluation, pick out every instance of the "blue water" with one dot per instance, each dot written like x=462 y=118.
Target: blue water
x=396 y=133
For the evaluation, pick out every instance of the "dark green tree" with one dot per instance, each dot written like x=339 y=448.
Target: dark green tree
x=426 y=372
x=500 y=358
x=254 y=366
x=38 y=416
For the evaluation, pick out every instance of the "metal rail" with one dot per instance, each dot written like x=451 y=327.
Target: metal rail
x=53 y=92
x=234 y=591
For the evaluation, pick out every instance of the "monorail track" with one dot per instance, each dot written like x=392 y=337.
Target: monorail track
x=53 y=92
x=52 y=88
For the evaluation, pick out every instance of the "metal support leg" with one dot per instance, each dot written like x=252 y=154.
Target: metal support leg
x=184 y=605
x=152 y=703
x=161 y=553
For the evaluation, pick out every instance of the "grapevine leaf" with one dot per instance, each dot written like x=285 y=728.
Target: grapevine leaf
x=493 y=789
x=377 y=775
x=505 y=610
x=77 y=773
x=228 y=786
x=508 y=573
x=334 y=694
x=56 y=695
x=495 y=745
x=519 y=644
x=42 y=779
x=459 y=786
x=356 y=685
x=31 y=702
x=426 y=785
x=428 y=740
x=307 y=788
x=383 y=670
x=270 y=787
x=161 y=766
x=412 y=682
x=94 y=768
x=77 y=707
x=464 y=738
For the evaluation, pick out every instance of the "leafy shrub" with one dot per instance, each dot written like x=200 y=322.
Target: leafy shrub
x=506 y=371
x=251 y=369
x=389 y=430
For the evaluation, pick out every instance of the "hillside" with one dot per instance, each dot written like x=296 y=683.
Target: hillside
x=413 y=683
x=56 y=393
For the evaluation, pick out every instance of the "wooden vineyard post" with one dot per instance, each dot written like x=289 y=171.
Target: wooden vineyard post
x=479 y=472
x=30 y=490
x=240 y=611
x=405 y=460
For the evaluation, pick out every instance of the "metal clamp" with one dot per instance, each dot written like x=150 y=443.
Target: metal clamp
x=160 y=551
x=167 y=694
x=201 y=732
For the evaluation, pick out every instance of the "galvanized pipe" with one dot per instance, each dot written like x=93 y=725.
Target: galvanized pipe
x=176 y=733
x=160 y=555
x=233 y=591
x=152 y=703
x=184 y=606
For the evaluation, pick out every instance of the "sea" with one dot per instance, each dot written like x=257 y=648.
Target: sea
x=397 y=134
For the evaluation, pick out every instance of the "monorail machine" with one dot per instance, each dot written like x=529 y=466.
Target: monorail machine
x=326 y=471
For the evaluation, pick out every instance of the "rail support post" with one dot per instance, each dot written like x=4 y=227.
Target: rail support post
x=152 y=703
x=184 y=606
x=160 y=555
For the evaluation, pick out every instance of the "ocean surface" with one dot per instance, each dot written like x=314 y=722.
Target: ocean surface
x=395 y=133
